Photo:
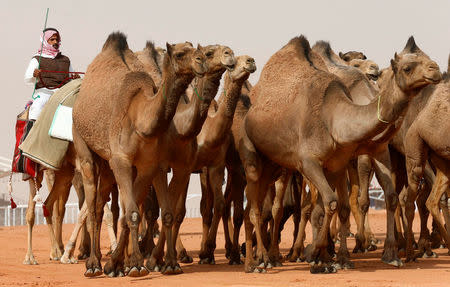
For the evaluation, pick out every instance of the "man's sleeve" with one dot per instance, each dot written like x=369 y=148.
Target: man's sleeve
x=33 y=65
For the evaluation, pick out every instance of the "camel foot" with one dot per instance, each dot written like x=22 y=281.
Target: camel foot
x=207 y=260
x=431 y=255
x=155 y=264
x=138 y=271
x=235 y=258
x=83 y=256
x=322 y=269
x=66 y=259
x=254 y=268
x=395 y=262
x=93 y=267
x=371 y=247
x=114 y=268
x=171 y=269
x=185 y=258
x=30 y=260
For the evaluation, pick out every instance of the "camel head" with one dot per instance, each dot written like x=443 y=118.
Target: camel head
x=351 y=55
x=185 y=59
x=368 y=67
x=219 y=58
x=413 y=69
x=245 y=65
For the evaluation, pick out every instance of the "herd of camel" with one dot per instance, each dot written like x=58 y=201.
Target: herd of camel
x=314 y=118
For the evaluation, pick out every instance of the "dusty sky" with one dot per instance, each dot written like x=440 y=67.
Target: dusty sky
x=378 y=28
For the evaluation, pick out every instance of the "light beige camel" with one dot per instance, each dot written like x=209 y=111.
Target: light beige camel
x=351 y=55
x=316 y=129
x=213 y=142
x=425 y=139
x=117 y=85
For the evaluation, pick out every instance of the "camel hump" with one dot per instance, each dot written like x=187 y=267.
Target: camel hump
x=150 y=47
x=325 y=48
x=116 y=41
x=411 y=46
x=302 y=46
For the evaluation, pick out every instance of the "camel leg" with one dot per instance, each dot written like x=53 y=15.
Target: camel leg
x=382 y=165
x=258 y=181
x=130 y=191
x=318 y=250
x=85 y=163
x=440 y=186
x=83 y=249
x=216 y=175
x=30 y=217
x=151 y=213
x=277 y=214
x=167 y=206
x=296 y=182
x=206 y=206
x=236 y=195
x=363 y=243
x=343 y=261
x=226 y=218
x=424 y=245
x=68 y=257
x=109 y=222
x=306 y=209
x=178 y=188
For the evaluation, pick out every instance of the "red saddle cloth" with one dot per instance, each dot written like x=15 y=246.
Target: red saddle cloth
x=21 y=163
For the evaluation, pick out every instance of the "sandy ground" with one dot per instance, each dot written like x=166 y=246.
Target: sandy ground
x=369 y=270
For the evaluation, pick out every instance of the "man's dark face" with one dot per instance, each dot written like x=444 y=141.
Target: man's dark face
x=54 y=41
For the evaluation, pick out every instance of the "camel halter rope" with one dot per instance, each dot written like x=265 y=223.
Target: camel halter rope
x=196 y=91
x=378 y=111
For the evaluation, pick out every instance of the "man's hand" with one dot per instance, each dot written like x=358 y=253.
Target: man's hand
x=75 y=76
x=36 y=73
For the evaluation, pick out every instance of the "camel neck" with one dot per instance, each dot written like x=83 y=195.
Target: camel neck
x=351 y=123
x=189 y=118
x=217 y=127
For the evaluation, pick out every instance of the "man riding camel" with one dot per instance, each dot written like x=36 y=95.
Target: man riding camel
x=48 y=58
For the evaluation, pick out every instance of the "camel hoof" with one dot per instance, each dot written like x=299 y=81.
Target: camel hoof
x=235 y=262
x=372 y=247
x=317 y=269
x=138 y=272
x=262 y=265
x=30 y=262
x=259 y=270
x=126 y=270
x=169 y=270
x=269 y=265
x=207 y=260
x=111 y=275
x=186 y=259
x=432 y=255
x=93 y=273
x=300 y=259
x=395 y=262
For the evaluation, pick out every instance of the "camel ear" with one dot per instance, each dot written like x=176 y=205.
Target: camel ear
x=169 y=49
x=341 y=55
x=199 y=47
x=394 y=63
x=364 y=57
x=189 y=43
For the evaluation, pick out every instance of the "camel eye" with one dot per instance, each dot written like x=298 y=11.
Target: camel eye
x=407 y=69
x=356 y=65
x=209 y=54
x=179 y=55
x=227 y=53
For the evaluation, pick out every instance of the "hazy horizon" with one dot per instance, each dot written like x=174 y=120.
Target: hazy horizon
x=377 y=28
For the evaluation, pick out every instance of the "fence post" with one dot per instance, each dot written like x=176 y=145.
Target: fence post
x=14 y=217
x=21 y=216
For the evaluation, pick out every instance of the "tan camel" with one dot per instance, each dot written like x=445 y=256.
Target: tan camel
x=325 y=133
x=213 y=142
x=424 y=140
x=368 y=67
x=351 y=55
x=117 y=85
x=182 y=145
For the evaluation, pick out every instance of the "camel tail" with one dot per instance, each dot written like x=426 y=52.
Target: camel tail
x=117 y=41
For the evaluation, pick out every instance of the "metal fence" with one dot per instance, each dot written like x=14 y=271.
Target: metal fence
x=17 y=216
